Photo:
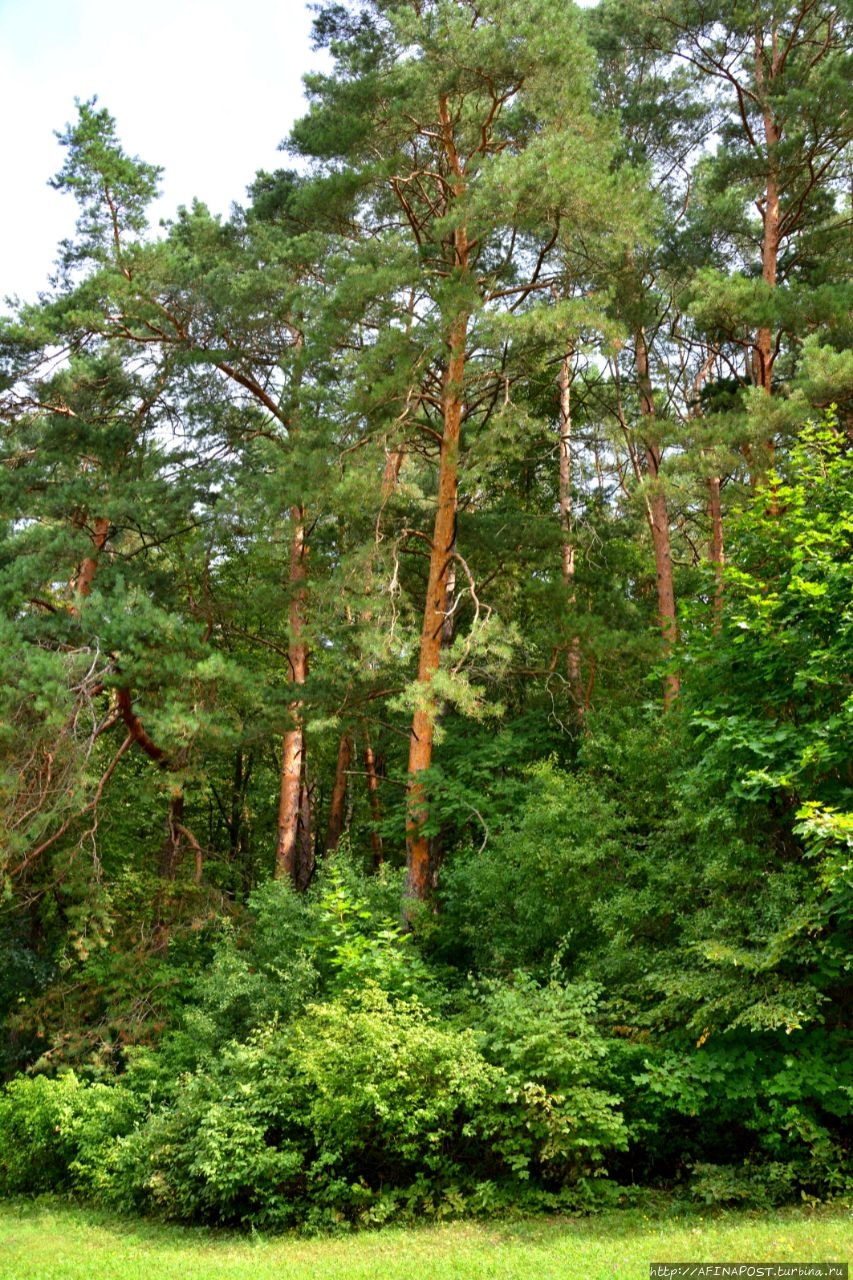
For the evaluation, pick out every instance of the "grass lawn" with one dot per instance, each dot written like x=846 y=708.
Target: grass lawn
x=47 y=1240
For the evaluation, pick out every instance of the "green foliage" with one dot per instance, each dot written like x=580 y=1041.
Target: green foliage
x=780 y=1103
x=828 y=837
x=528 y=893
x=360 y=1109
x=653 y=911
x=544 y=1038
x=272 y=1109
x=56 y=1133
x=769 y=693
x=112 y=189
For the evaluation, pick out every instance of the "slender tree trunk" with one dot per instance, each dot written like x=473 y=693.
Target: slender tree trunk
x=658 y=518
x=170 y=849
x=291 y=816
x=715 y=512
x=306 y=862
x=763 y=350
x=713 y=485
x=418 y=879
x=447 y=628
x=337 y=808
x=763 y=353
x=237 y=815
x=373 y=797
x=573 y=655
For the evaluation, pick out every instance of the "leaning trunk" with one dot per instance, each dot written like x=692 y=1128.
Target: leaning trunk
x=292 y=817
x=441 y=557
x=658 y=518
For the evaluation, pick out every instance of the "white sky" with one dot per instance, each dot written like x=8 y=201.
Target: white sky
x=206 y=88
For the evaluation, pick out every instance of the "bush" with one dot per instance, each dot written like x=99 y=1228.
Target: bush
x=544 y=1039
x=530 y=892
x=364 y=1108
x=57 y=1134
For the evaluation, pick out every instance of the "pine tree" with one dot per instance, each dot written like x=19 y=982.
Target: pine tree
x=454 y=132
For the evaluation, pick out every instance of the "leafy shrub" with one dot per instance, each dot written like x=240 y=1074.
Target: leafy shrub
x=730 y=1184
x=56 y=1134
x=779 y=1104
x=544 y=1039
x=364 y=1108
x=529 y=893
x=290 y=949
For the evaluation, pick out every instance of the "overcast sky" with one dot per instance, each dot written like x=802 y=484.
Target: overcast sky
x=206 y=88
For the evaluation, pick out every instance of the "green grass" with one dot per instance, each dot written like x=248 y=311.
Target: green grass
x=47 y=1240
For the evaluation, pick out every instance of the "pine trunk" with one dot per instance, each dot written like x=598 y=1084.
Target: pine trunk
x=82 y=584
x=373 y=797
x=763 y=350
x=418 y=880
x=291 y=817
x=658 y=518
x=573 y=656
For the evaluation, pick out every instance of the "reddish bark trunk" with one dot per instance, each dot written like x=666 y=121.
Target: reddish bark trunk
x=658 y=518
x=373 y=797
x=573 y=655
x=82 y=584
x=763 y=354
x=418 y=880
x=292 y=834
x=393 y=463
x=136 y=729
x=418 y=871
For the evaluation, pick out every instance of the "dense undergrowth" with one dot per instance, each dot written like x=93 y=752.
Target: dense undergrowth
x=640 y=979
x=564 y=1031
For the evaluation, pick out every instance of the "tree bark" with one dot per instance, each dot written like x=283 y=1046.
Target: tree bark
x=418 y=878
x=292 y=835
x=170 y=849
x=82 y=584
x=394 y=459
x=763 y=355
x=306 y=863
x=373 y=797
x=658 y=518
x=567 y=549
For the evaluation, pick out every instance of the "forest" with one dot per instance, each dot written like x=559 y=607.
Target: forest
x=426 y=647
